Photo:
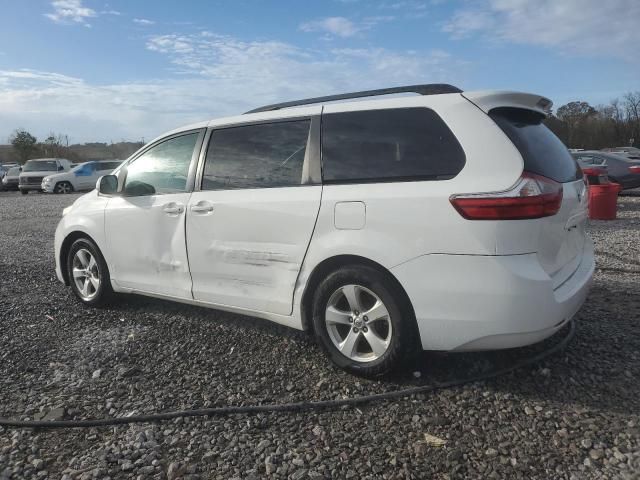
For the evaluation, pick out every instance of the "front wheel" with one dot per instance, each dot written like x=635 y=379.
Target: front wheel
x=63 y=187
x=24 y=192
x=88 y=273
x=363 y=321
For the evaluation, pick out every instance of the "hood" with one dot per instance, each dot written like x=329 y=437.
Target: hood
x=52 y=176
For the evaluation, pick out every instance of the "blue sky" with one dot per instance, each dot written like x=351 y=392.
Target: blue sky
x=106 y=71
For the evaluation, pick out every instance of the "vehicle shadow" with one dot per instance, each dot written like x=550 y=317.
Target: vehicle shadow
x=591 y=371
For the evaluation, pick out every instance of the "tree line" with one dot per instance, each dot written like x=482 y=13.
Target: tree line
x=25 y=146
x=580 y=125
x=577 y=124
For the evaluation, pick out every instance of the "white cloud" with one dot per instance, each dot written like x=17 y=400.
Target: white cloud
x=70 y=11
x=572 y=26
x=143 y=21
x=213 y=76
x=341 y=26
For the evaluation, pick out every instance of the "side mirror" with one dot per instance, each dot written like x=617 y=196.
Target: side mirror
x=60 y=168
x=107 y=185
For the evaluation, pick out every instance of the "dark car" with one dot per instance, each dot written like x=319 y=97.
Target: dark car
x=621 y=169
x=10 y=179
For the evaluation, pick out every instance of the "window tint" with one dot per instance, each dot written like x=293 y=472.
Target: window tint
x=408 y=143
x=256 y=156
x=542 y=151
x=108 y=166
x=161 y=169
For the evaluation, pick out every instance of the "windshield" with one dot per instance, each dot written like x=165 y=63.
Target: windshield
x=14 y=172
x=40 y=166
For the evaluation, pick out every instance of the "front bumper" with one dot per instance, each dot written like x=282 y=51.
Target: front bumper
x=478 y=302
x=30 y=187
x=47 y=187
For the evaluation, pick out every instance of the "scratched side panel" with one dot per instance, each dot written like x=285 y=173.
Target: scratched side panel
x=247 y=253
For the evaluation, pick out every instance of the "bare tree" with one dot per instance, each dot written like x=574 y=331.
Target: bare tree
x=632 y=105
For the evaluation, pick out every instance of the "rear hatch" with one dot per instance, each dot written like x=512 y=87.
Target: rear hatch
x=558 y=240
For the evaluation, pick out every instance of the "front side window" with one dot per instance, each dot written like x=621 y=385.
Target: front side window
x=256 y=156
x=85 y=170
x=162 y=169
x=391 y=144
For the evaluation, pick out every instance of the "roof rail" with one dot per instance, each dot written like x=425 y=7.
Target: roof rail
x=426 y=89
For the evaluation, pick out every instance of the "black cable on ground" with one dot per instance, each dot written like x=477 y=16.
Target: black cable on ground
x=289 y=407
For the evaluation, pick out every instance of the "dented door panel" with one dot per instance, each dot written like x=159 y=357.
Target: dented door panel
x=147 y=238
x=248 y=250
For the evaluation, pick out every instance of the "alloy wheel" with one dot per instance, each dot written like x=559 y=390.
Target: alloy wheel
x=358 y=323
x=63 y=187
x=86 y=274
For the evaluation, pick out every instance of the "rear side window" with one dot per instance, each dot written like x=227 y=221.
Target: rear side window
x=543 y=152
x=256 y=156
x=387 y=145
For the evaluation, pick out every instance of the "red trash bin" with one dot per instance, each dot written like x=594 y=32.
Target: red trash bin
x=603 y=201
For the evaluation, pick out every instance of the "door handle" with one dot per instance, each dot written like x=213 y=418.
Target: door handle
x=173 y=208
x=202 y=208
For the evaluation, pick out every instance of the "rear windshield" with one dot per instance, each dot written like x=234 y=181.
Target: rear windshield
x=543 y=152
x=388 y=145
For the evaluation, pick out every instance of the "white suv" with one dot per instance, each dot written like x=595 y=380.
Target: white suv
x=449 y=220
x=81 y=177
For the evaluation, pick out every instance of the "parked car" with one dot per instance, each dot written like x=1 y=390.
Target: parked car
x=631 y=150
x=82 y=177
x=620 y=169
x=439 y=221
x=10 y=179
x=35 y=170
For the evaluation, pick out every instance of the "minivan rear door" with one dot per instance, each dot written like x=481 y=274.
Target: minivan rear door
x=253 y=211
x=558 y=239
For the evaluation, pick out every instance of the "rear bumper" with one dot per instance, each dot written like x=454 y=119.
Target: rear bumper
x=476 y=302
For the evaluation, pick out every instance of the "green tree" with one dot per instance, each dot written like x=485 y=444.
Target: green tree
x=23 y=143
x=577 y=116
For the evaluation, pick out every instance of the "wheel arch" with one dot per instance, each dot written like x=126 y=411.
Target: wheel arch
x=66 y=246
x=328 y=265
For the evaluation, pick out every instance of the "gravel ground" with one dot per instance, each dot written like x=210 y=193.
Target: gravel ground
x=574 y=416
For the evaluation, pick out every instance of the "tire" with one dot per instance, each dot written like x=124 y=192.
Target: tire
x=335 y=321
x=24 y=192
x=63 y=187
x=84 y=285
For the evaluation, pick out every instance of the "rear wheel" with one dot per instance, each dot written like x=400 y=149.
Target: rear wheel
x=88 y=273
x=63 y=187
x=363 y=321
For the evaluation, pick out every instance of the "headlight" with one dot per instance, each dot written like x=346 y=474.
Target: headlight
x=66 y=210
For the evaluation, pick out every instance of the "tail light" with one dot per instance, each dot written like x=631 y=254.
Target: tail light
x=533 y=196
x=595 y=171
x=634 y=169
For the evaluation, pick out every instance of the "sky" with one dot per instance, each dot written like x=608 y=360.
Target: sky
x=132 y=69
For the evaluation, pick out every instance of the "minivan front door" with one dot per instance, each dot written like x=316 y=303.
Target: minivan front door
x=144 y=225
x=250 y=220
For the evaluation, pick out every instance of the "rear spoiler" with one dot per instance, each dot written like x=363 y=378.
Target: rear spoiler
x=490 y=99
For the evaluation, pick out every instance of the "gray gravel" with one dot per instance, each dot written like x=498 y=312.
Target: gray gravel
x=574 y=416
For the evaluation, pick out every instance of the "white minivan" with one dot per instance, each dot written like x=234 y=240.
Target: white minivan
x=445 y=220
